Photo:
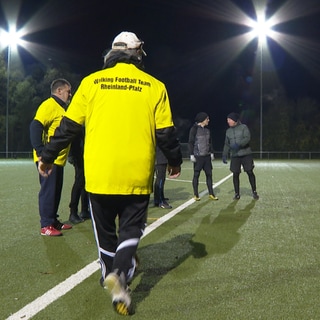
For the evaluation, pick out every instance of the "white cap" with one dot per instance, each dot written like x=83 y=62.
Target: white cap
x=127 y=40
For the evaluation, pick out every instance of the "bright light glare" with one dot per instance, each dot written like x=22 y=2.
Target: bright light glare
x=261 y=28
x=10 y=39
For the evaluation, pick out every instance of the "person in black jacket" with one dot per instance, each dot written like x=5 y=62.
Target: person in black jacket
x=78 y=191
x=201 y=154
x=160 y=169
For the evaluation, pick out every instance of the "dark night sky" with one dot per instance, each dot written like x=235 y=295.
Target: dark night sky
x=182 y=41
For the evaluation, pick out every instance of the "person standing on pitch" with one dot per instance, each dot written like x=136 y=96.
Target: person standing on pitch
x=158 y=190
x=237 y=143
x=119 y=160
x=78 y=192
x=201 y=154
x=43 y=126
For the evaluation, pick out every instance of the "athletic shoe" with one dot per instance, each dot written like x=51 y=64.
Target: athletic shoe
x=61 y=226
x=165 y=205
x=121 y=299
x=236 y=196
x=50 y=231
x=85 y=215
x=196 y=198
x=74 y=218
x=255 y=195
x=213 y=197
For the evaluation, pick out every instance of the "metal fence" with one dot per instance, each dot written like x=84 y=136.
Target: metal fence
x=297 y=155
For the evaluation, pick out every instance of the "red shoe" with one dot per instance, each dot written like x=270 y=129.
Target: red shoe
x=61 y=226
x=50 y=231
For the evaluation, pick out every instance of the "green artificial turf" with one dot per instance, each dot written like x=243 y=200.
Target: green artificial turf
x=221 y=259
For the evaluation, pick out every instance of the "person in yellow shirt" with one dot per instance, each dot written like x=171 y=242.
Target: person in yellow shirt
x=126 y=113
x=42 y=127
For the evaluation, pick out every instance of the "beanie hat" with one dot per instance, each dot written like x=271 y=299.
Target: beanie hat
x=127 y=40
x=233 y=116
x=201 y=116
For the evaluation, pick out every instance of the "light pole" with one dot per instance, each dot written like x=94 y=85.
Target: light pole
x=11 y=40
x=261 y=103
x=7 y=101
x=261 y=29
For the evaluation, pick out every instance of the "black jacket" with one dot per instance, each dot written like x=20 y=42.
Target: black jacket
x=199 y=141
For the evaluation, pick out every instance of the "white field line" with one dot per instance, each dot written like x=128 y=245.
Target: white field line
x=64 y=287
x=172 y=213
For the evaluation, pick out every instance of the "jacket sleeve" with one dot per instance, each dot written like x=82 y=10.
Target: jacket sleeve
x=192 y=139
x=210 y=143
x=36 y=132
x=245 y=138
x=63 y=136
x=169 y=144
x=226 y=147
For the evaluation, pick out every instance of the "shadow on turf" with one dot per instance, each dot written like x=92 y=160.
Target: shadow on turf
x=214 y=236
x=160 y=258
x=223 y=231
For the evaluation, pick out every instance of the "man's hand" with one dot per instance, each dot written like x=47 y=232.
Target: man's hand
x=44 y=169
x=71 y=160
x=235 y=147
x=193 y=158
x=212 y=156
x=224 y=159
x=174 y=172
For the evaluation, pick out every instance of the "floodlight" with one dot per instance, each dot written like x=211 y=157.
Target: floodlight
x=11 y=40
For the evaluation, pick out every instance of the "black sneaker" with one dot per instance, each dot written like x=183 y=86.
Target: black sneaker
x=75 y=219
x=255 y=195
x=236 y=196
x=165 y=205
x=85 y=215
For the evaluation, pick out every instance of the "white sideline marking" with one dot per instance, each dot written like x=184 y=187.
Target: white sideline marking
x=172 y=213
x=62 y=288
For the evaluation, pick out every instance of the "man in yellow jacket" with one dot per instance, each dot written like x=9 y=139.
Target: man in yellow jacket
x=126 y=113
x=42 y=127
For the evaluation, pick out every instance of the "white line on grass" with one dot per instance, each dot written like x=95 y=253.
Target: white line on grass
x=172 y=213
x=64 y=287
x=179 y=180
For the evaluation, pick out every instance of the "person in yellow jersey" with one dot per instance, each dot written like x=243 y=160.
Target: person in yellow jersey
x=42 y=127
x=126 y=113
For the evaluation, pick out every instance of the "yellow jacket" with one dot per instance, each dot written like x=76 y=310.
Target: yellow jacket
x=121 y=108
x=49 y=114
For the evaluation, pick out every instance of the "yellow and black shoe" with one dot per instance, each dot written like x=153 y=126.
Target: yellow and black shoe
x=213 y=197
x=122 y=308
x=119 y=292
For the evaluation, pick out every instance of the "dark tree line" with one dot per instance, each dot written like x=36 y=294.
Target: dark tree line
x=26 y=92
x=288 y=124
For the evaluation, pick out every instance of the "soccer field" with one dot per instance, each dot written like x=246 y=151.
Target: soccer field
x=206 y=260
